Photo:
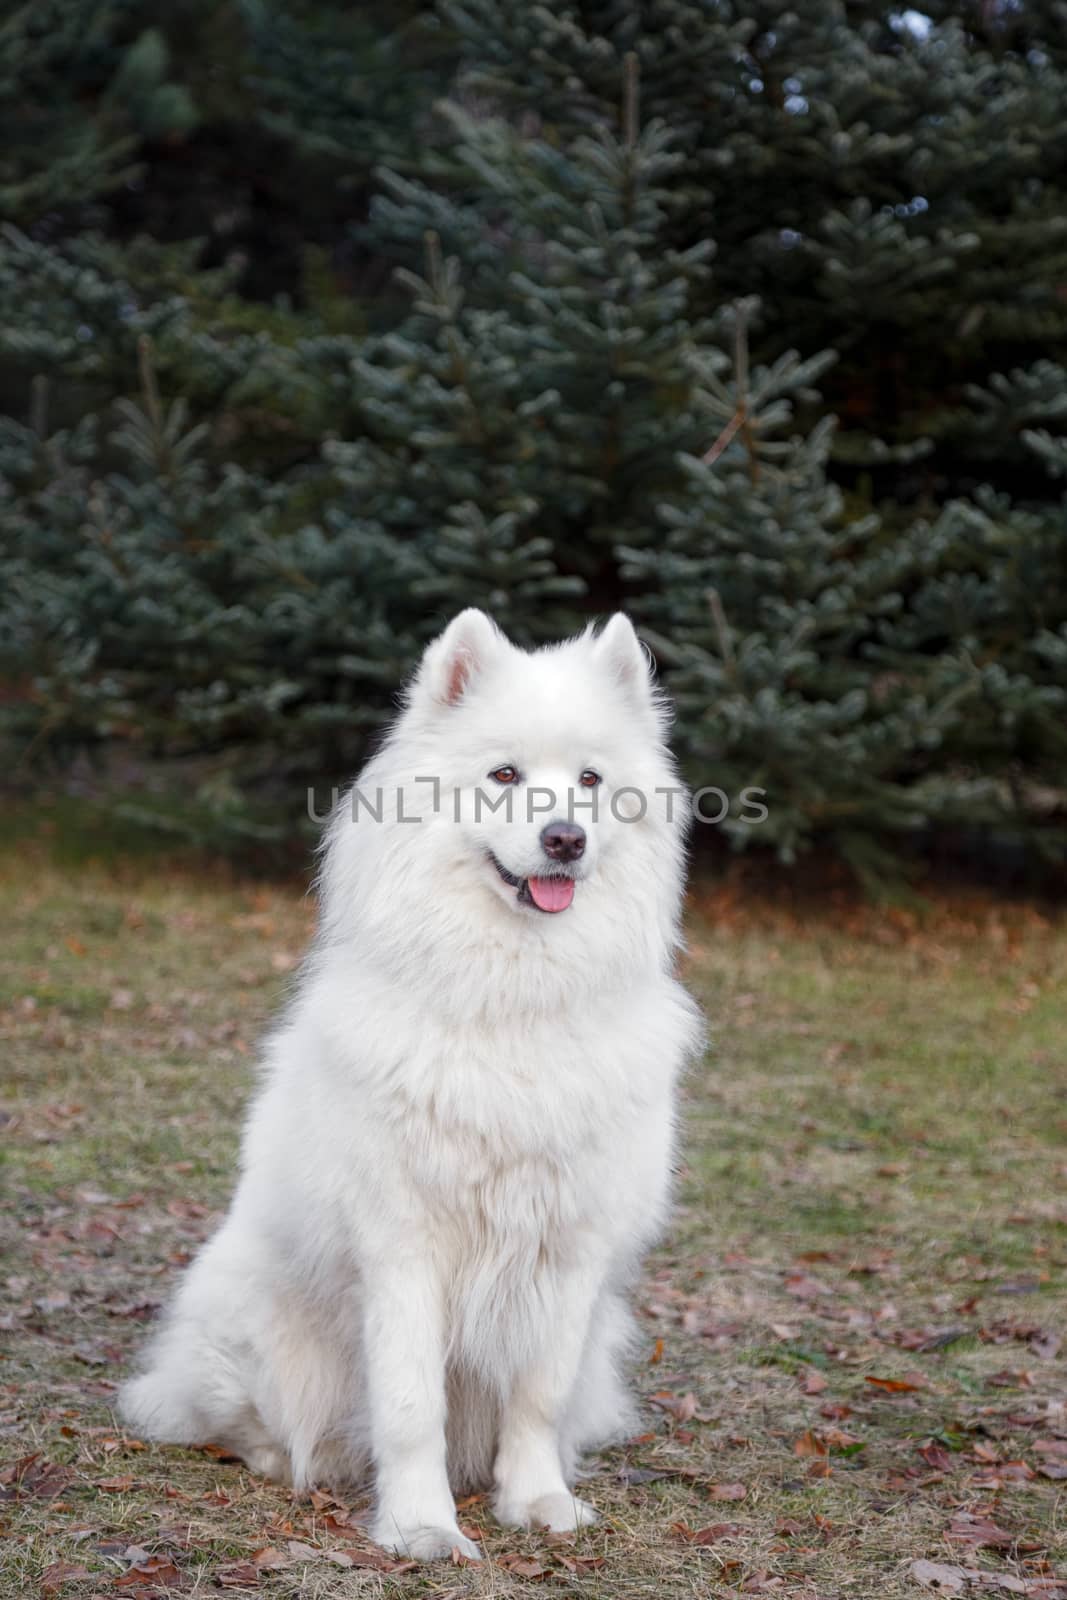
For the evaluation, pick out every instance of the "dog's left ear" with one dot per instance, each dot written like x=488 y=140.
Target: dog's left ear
x=456 y=657
x=622 y=652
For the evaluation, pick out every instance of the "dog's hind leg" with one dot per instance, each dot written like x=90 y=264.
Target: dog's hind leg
x=208 y=1369
x=196 y=1393
x=601 y=1409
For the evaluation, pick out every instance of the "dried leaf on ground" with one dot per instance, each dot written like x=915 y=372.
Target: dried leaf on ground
x=969 y=1528
x=238 y=1575
x=32 y=1477
x=809 y=1444
x=156 y=1570
x=580 y=1565
x=1001 y=1473
x=303 y=1552
x=270 y=1559
x=53 y=1578
x=921 y=1341
x=377 y=1560
x=946 y=1579
x=936 y=1575
x=682 y=1407
x=524 y=1566
x=714 y=1532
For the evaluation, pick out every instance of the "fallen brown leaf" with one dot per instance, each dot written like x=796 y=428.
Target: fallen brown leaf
x=968 y=1528
x=581 y=1564
x=378 y=1561
x=760 y=1583
x=681 y=1407
x=1003 y=1472
x=810 y=1445
x=714 y=1532
x=323 y=1501
x=936 y=1456
x=238 y=1575
x=270 y=1559
x=523 y=1566
x=947 y=1579
x=924 y=1340
x=804 y=1287
x=727 y=1491
x=937 y=1575
x=156 y=1569
x=31 y=1477
x=59 y=1573
x=303 y=1552
x=838 y=1439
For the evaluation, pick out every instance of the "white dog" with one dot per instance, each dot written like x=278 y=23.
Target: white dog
x=462 y=1141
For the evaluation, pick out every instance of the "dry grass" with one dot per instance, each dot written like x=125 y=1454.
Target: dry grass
x=875 y=1189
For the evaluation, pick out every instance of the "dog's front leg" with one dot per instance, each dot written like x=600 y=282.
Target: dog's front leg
x=404 y=1342
x=531 y=1490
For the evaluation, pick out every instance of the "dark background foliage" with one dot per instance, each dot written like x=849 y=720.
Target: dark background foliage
x=318 y=323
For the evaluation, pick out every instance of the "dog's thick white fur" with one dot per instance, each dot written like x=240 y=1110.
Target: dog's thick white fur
x=462 y=1141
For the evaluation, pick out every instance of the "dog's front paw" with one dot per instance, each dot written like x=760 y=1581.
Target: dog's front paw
x=559 y=1512
x=422 y=1543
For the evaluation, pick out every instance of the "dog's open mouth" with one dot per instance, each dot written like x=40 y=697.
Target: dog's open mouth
x=547 y=894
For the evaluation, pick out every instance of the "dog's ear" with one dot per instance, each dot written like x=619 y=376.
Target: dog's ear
x=456 y=657
x=622 y=652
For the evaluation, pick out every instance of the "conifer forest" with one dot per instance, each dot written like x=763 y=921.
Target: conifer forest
x=319 y=322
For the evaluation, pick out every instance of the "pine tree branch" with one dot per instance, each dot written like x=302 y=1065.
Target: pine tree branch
x=741 y=421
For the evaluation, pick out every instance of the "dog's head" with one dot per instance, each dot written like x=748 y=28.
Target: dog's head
x=547 y=762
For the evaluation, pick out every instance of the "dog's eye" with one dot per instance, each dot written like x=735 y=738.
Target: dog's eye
x=589 y=779
x=504 y=775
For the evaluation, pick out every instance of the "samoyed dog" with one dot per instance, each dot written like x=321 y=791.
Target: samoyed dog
x=463 y=1135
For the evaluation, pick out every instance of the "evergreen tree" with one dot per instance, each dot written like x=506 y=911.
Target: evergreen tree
x=247 y=472
x=549 y=370
x=78 y=92
x=875 y=175
x=873 y=682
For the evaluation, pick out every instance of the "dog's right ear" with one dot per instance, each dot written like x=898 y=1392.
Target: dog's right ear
x=455 y=658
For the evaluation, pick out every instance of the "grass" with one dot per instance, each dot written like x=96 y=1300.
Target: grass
x=848 y=1352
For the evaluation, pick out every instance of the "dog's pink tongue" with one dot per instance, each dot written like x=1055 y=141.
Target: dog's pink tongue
x=551 y=894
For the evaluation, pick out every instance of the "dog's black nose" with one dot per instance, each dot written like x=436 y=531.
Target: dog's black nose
x=563 y=841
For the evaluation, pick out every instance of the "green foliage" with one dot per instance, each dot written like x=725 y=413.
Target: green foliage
x=887 y=181
x=55 y=58
x=645 y=254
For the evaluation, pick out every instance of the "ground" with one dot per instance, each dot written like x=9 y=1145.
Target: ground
x=849 y=1349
